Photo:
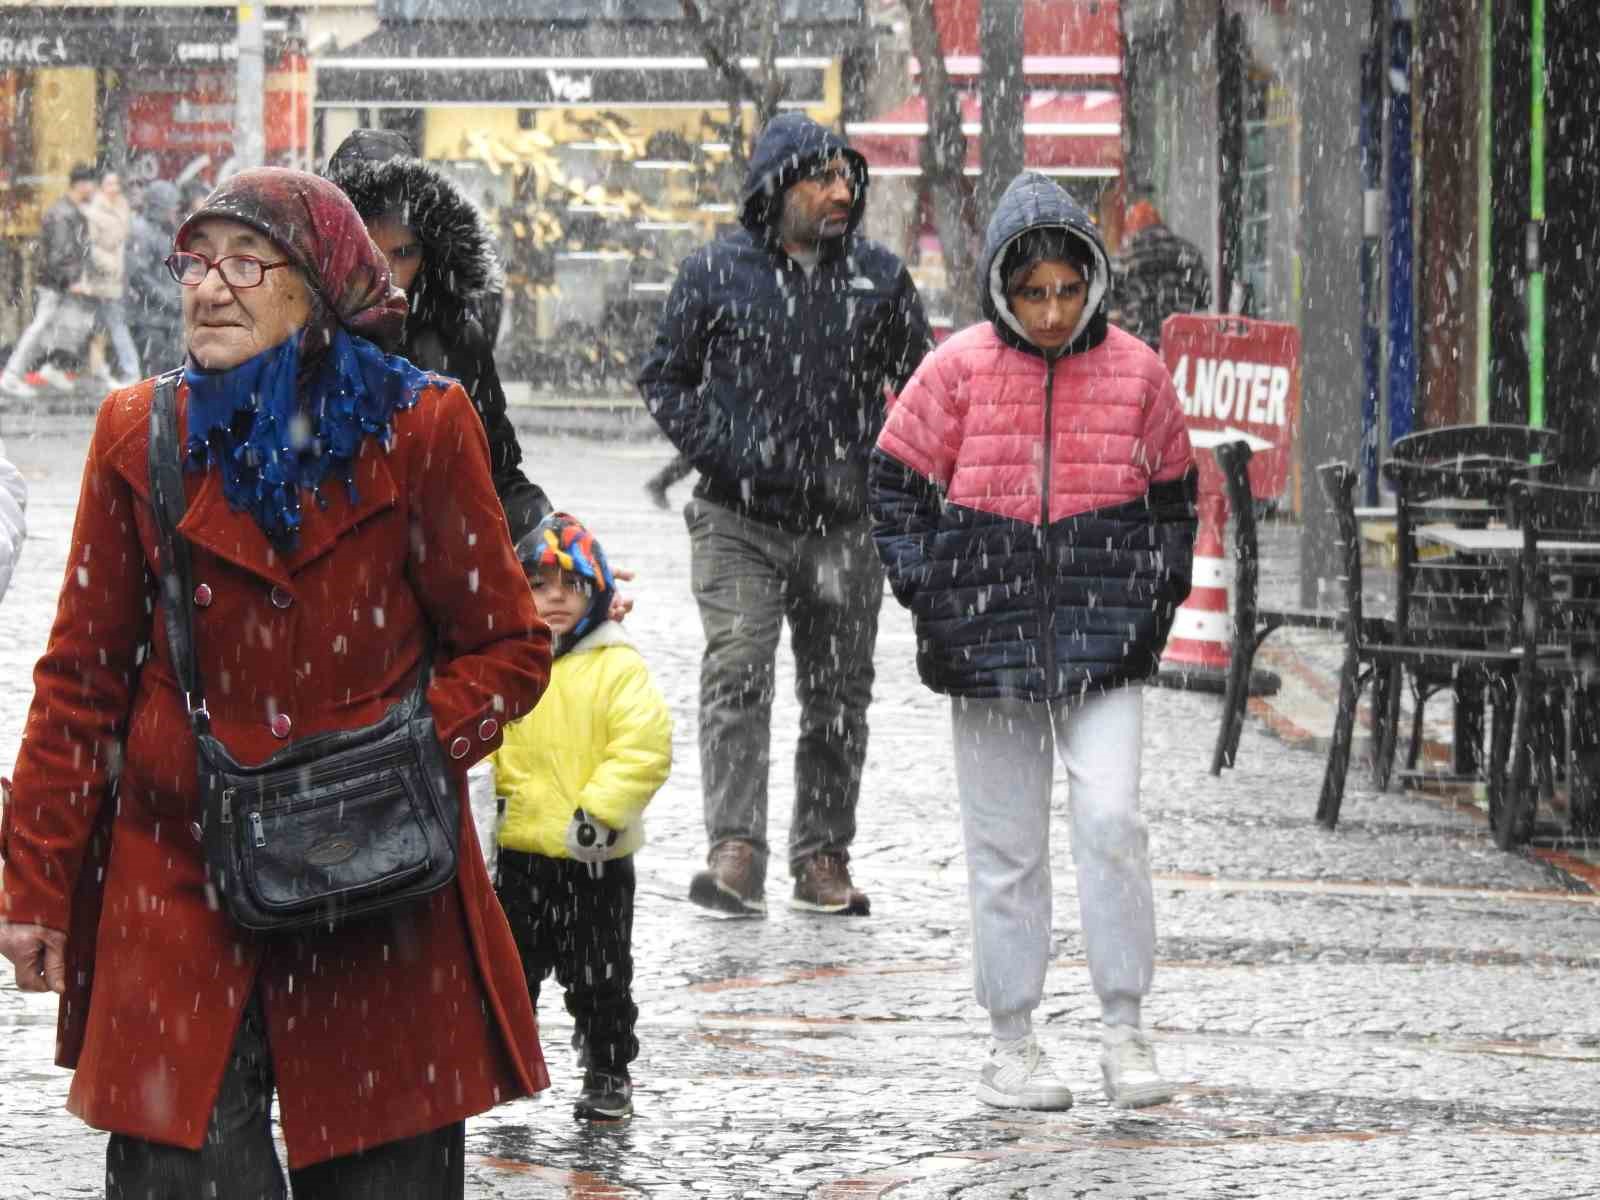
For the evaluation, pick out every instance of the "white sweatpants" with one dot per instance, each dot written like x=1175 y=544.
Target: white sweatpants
x=1003 y=769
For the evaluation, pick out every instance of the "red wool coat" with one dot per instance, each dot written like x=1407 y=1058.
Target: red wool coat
x=380 y=1030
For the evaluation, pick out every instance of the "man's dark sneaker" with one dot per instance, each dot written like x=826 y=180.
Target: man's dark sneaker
x=605 y=1096
x=730 y=884
x=822 y=885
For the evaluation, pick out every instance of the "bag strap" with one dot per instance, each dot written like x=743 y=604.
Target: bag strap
x=177 y=592
x=169 y=501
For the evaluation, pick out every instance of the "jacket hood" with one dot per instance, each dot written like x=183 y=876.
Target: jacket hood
x=461 y=270
x=160 y=203
x=790 y=145
x=607 y=633
x=370 y=146
x=1032 y=202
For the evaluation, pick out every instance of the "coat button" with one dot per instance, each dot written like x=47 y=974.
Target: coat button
x=281 y=598
x=459 y=748
x=202 y=595
x=196 y=832
x=281 y=725
x=488 y=728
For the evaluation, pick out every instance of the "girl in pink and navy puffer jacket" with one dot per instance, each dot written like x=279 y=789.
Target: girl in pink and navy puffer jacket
x=1033 y=500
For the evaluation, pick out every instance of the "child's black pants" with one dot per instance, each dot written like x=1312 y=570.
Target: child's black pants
x=576 y=919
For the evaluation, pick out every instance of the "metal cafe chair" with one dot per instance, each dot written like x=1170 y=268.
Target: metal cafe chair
x=1252 y=624
x=1487 y=457
x=1441 y=596
x=1452 y=621
x=1466 y=445
x=1557 y=562
x=1361 y=639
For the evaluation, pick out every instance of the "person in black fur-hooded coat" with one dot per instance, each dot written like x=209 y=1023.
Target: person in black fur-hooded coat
x=442 y=254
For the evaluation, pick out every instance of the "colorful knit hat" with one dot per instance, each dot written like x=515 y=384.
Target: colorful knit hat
x=319 y=229
x=560 y=540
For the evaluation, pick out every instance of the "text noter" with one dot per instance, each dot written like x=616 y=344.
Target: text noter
x=1234 y=390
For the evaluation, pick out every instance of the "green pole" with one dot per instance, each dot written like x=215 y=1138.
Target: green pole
x=1536 y=229
x=1485 y=203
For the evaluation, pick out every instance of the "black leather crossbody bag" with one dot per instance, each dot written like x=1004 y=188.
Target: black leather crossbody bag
x=332 y=827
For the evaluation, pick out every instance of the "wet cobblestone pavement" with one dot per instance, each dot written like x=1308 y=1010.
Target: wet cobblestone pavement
x=1396 y=1009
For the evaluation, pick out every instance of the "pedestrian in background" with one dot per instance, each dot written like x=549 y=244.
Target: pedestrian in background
x=1033 y=497
x=442 y=253
x=154 y=302
x=1158 y=273
x=110 y=220
x=768 y=373
x=576 y=775
x=63 y=259
x=13 y=518
x=326 y=582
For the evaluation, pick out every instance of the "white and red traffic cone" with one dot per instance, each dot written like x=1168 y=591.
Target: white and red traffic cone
x=1199 y=647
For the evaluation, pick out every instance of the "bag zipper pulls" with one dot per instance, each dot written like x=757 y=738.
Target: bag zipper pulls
x=227 y=805
x=255 y=828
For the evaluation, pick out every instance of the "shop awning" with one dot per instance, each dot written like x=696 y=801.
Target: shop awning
x=523 y=65
x=1052 y=67
x=1063 y=133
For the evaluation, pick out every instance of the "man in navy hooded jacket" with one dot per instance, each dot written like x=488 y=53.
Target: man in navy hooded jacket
x=768 y=373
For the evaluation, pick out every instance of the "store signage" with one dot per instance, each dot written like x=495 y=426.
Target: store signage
x=32 y=51
x=570 y=87
x=365 y=76
x=43 y=41
x=207 y=52
x=1238 y=378
x=464 y=11
x=202 y=122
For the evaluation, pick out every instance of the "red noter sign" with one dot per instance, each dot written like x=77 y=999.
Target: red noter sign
x=1238 y=379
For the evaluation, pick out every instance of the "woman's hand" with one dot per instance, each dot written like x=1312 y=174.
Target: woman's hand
x=39 y=954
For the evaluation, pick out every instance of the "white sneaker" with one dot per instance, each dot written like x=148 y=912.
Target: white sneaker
x=1129 y=1066
x=57 y=378
x=1018 y=1076
x=16 y=385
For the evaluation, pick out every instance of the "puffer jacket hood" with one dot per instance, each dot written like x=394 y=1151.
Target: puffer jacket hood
x=455 y=300
x=1033 y=201
x=790 y=145
x=461 y=273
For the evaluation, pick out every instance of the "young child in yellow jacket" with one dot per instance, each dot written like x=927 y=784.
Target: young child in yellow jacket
x=576 y=774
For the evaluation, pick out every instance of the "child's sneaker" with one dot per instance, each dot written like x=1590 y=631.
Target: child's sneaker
x=1018 y=1076
x=605 y=1096
x=1129 y=1066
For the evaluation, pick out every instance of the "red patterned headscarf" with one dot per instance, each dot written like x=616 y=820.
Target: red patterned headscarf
x=317 y=227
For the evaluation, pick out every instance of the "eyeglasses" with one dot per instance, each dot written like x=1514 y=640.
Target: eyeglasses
x=237 y=270
x=826 y=177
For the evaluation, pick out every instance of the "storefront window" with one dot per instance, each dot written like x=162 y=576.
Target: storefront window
x=593 y=209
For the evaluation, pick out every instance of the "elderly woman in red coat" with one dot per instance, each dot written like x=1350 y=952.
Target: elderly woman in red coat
x=343 y=525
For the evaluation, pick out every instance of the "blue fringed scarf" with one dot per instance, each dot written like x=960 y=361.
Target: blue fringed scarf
x=251 y=424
